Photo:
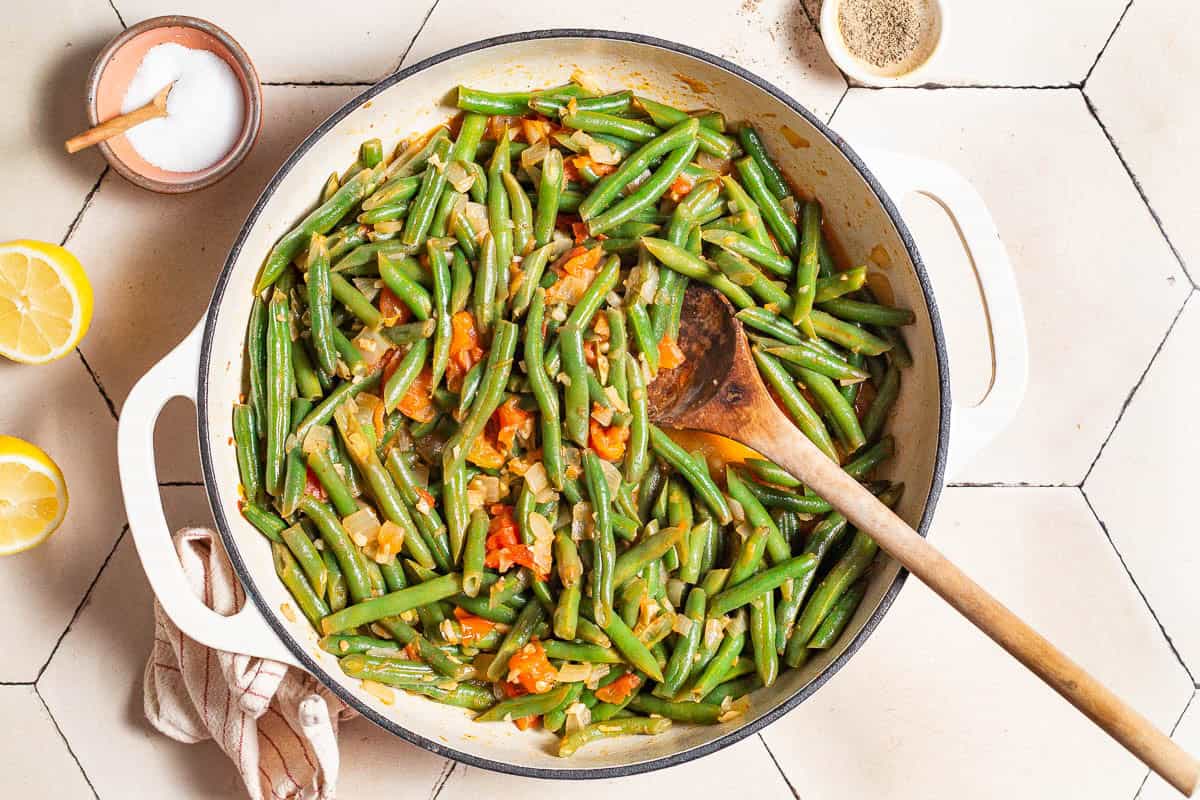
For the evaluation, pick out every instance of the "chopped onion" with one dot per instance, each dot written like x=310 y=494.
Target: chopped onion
x=578 y=716
x=598 y=672
x=381 y=652
x=682 y=624
x=735 y=709
x=675 y=588
x=449 y=633
x=581 y=140
x=458 y=176
x=534 y=173
x=714 y=631
x=585 y=81
x=535 y=153
x=614 y=397
x=476 y=214
x=543 y=539
x=735 y=508
x=319 y=438
x=372 y=345
x=574 y=673
x=602 y=415
x=715 y=163
x=362 y=526
x=637 y=181
x=791 y=208
x=603 y=153
x=581 y=521
x=368 y=286
x=612 y=476
x=737 y=623
x=488 y=486
x=436 y=162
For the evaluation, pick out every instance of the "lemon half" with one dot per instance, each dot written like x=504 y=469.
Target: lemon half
x=33 y=495
x=45 y=301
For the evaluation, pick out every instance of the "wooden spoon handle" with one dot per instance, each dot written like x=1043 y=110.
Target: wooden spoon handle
x=780 y=441
x=157 y=107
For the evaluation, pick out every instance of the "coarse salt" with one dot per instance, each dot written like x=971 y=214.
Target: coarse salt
x=205 y=109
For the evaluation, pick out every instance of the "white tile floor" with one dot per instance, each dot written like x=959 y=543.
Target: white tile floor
x=1079 y=525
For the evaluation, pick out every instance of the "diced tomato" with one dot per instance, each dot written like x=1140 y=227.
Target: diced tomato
x=377 y=420
x=608 y=442
x=412 y=651
x=465 y=351
x=680 y=188
x=580 y=261
x=525 y=723
x=390 y=361
x=426 y=496
x=587 y=162
x=498 y=124
x=503 y=545
x=312 y=485
x=589 y=353
x=473 y=628
x=392 y=309
x=535 y=129
x=669 y=354
x=511 y=690
x=510 y=419
x=619 y=690
x=484 y=451
x=570 y=174
x=579 y=232
x=417 y=402
x=530 y=668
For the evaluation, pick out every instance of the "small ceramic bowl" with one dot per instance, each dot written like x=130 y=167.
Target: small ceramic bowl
x=114 y=69
x=868 y=74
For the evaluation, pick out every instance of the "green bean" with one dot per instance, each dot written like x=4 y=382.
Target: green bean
x=319 y=304
x=391 y=201
x=811 y=357
x=586 y=653
x=441 y=303
x=415 y=156
x=566 y=611
x=753 y=146
x=382 y=669
x=509 y=103
x=631 y=562
x=806 y=271
x=838 y=617
x=308 y=558
x=604 y=548
x=647 y=193
x=673 y=454
x=337 y=540
x=342 y=644
x=600 y=122
x=762 y=320
x=771 y=578
x=392 y=604
x=321 y=220
x=881 y=406
x=470 y=385
x=787 y=500
x=773 y=214
x=748 y=248
x=256 y=355
x=694 y=713
x=683 y=656
x=411 y=293
x=474 y=552
x=762 y=638
x=643 y=335
x=532 y=269
x=848 y=569
x=518 y=636
x=751 y=221
x=797 y=407
x=637 y=448
x=406 y=372
x=526 y=705
x=576 y=411
x=607 y=189
x=868 y=313
x=591 y=300
x=431 y=654
x=713 y=673
x=544 y=392
x=629 y=646
x=711 y=141
x=393 y=576
x=463 y=695
x=548 y=197
x=267 y=523
x=308 y=386
x=625 y=726
x=554 y=719
x=772 y=473
x=278 y=388
x=847 y=334
x=733 y=689
x=499 y=212
x=842 y=413
x=310 y=602
x=522 y=214
x=349 y=354
x=694 y=267
x=840 y=283
x=246 y=440
x=743 y=273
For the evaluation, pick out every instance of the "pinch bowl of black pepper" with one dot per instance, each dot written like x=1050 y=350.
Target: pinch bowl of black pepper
x=883 y=42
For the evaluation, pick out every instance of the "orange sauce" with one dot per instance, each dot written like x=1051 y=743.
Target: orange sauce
x=699 y=87
x=718 y=450
x=882 y=287
x=794 y=139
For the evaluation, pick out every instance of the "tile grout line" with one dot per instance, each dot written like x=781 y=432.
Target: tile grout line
x=310 y=84
x=1133 y=392
x=87 y=595
x=837 y=105
x=416 y=35
x=1129 y=574
x=112 y=408
x=1137 y=184
x=173 y=484
x=443 y=776
x=1174 y=728
x=934 y=87
x=87 y=202
x=775 y=761
x=1104 y=46
x=66 y=743
x=113 y=5
x=1008 y=485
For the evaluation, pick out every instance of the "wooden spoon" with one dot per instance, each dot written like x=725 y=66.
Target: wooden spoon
x=718 y=390
x=157 y=107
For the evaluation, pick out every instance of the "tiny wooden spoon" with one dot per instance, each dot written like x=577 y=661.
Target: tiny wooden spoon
x=718 y=390
x=157 y=107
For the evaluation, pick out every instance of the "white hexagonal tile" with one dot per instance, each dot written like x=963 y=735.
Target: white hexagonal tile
x=741 y=770
x=34 y=760
x=80 y=435
x=932 y=705
x=1141 y=487
x=376 y=763
x=283 y=46
x=1049 y=43
x=771 y=38
x=1055 y=188
x=101 y=713
x=1136 y=87
x=1187 y=734
x=44 y=108
x=154 y=288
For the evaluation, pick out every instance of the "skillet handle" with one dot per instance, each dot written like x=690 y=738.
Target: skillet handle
x=244 y=632
x=976 y=425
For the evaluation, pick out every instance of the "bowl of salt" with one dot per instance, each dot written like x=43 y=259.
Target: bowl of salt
x=214 y=108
